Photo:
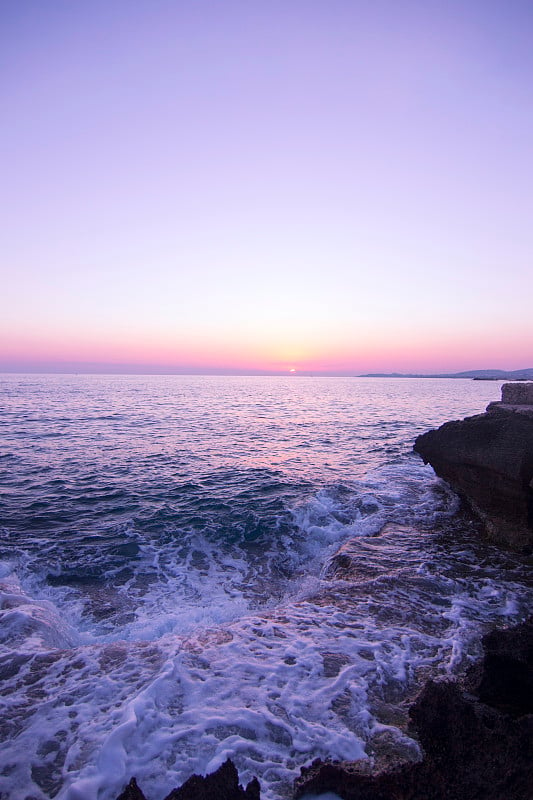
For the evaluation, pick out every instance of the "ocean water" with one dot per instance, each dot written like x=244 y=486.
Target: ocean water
x=193 y=568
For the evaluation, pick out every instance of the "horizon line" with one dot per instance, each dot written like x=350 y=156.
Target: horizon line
x=235 y=372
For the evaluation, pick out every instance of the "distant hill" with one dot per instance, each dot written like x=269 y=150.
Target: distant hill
x=476 y=374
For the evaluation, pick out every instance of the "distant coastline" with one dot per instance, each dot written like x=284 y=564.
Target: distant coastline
x=475 y=374
x=95 y=368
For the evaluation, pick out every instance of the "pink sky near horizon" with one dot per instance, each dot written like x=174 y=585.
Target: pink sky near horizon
x=408 y=354
x=319 y=187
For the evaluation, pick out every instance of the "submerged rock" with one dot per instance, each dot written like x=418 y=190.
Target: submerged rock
x=220 y=785
x=488 y=459
x=477 y=739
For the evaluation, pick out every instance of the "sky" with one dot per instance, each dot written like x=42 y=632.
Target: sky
x=219 y=185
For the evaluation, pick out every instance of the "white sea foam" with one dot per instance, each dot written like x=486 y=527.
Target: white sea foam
x=326 y=671
x=29 y=625
x=186 y=632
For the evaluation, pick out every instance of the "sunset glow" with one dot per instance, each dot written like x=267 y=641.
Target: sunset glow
x=279 y=187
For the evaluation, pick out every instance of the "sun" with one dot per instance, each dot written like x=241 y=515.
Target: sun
x=292 y=369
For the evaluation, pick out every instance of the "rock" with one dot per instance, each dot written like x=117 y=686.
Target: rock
x=517 y=394
x=352 y=781
x=504 y=678
x=476 y=743
x=220 y=785
x=488 y=459
x=131 y=792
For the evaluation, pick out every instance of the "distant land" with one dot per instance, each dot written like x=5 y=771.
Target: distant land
x=98 y=368
x=476 y=374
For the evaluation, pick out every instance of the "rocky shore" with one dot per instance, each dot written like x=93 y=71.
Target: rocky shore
x=488 y=460
x=476 y=734
x=477 y=737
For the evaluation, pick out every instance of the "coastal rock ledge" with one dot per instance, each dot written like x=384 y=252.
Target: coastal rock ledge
x=477 y=737
x=488 y=459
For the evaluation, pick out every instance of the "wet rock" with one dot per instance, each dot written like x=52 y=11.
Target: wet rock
x=488 y=459
x=477 y=743
x=504 y=678
x=365 y=558
x=220 y=785
x=131 y=792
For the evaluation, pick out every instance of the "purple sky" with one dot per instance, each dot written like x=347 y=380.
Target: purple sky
x=267 y=185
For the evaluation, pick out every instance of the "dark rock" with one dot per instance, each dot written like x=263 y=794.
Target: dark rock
x=223 y=784
x=132 y=792
x=504 y=678
x=352 y=781
x=488 y=459
x=220 y=785
x=518 y=394
x=478 y=745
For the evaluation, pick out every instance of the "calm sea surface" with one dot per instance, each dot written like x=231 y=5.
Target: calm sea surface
x=170 y=583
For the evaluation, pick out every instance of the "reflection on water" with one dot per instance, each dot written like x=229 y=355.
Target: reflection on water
x=194 y=567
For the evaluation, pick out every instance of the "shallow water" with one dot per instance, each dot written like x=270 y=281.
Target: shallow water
x=173 y=589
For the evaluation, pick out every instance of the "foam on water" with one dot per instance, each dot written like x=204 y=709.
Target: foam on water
x=155 y=624
x=324 y=668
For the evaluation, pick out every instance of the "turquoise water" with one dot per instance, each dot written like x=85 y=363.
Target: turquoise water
x=169 y=594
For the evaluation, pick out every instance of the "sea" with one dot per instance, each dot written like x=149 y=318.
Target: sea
x=200 y=567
